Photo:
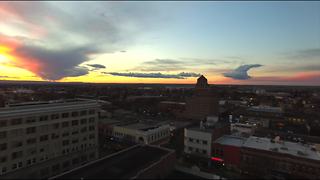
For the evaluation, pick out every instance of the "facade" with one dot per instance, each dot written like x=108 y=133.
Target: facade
x=228 y=148
x=198 y=140
x=281 y=159
x=268 y=158
x=41 y=139
x=243 y=128
x=203 y=103
x=143 y=132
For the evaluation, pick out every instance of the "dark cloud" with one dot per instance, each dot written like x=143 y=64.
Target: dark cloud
x=241 y=73
x=97 y=66
x=182 y=75
x=52 y=64
x=61 y=35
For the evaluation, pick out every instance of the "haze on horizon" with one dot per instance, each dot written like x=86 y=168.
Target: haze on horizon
x=276 y=43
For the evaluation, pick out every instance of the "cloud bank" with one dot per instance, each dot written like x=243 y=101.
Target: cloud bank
x=52 y=39
x=241 y=73
x=182 y=75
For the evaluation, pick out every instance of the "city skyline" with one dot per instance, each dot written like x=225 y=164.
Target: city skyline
x=161 y=42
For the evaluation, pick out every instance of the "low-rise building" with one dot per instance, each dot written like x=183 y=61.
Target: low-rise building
x=148 y=132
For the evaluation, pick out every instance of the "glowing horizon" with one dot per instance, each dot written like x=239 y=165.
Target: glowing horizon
x=161 y=42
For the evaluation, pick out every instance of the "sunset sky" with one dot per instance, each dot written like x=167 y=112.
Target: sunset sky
x=161 y=42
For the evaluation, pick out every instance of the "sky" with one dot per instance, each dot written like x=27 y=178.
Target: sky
x=276 y=43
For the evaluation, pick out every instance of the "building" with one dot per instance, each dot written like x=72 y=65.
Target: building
x=203 y=103
x=147 y=132
x=137 y=162
x=268 y=158
x=38 y=140
x=228 y=148
x=198 y=140
x=243 y=128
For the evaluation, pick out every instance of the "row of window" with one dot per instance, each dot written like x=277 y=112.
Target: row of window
x=197 y=150
x=18 y=121
x=43 y=138
x=32 y=151
x=45 y=128
x=55 y=167
x=198 y=141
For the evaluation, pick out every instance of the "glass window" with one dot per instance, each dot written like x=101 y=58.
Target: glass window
x=16 y=121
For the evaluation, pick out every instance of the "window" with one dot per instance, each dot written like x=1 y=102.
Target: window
x=91 y=136
x=3 y=146
x=92 y=111
x=3 y=123
x=190 y=148
x=4 y=170
x=43 y=118
x=204 y=151
x=205 y=142
x=65 y=142
x=91 y=120
x=31 y=119
x=84 y=129
x=65 y=124
x=75 y=141
x=56 y=126
x=75 y=132
x=74 y=114
x=54 y=136
x=3 y=134
x=54 y=116
x=16 y=121
x=190 y=139
x=91 y=128
x=31 y=130
x=16 y=144
x=16 y=155
x=65 y=134
x=198 y=141
x=65 y=115
x=83 y=121
x=44 y=138
x=83 y=113
x=31 y=141
x=75 y=122
x=3 y=159
x=17 y=132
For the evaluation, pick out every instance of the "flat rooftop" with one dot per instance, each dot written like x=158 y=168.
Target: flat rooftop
x=231 y=140
x=285 y=147
x=144 y=126
x=124 y=164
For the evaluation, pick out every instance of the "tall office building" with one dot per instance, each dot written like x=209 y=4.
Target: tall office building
x=38 y=140
x=203 y=103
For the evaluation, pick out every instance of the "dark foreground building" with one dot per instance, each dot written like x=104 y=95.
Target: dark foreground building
x=140 y=161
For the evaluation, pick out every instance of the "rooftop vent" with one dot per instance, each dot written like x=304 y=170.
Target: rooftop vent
x=274 y=149
x=284 y=148
x=302 y=153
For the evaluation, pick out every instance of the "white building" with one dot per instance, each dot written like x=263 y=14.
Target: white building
x=143 y=132
x=198 y=141
x=243 y=128
x=55 y=132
